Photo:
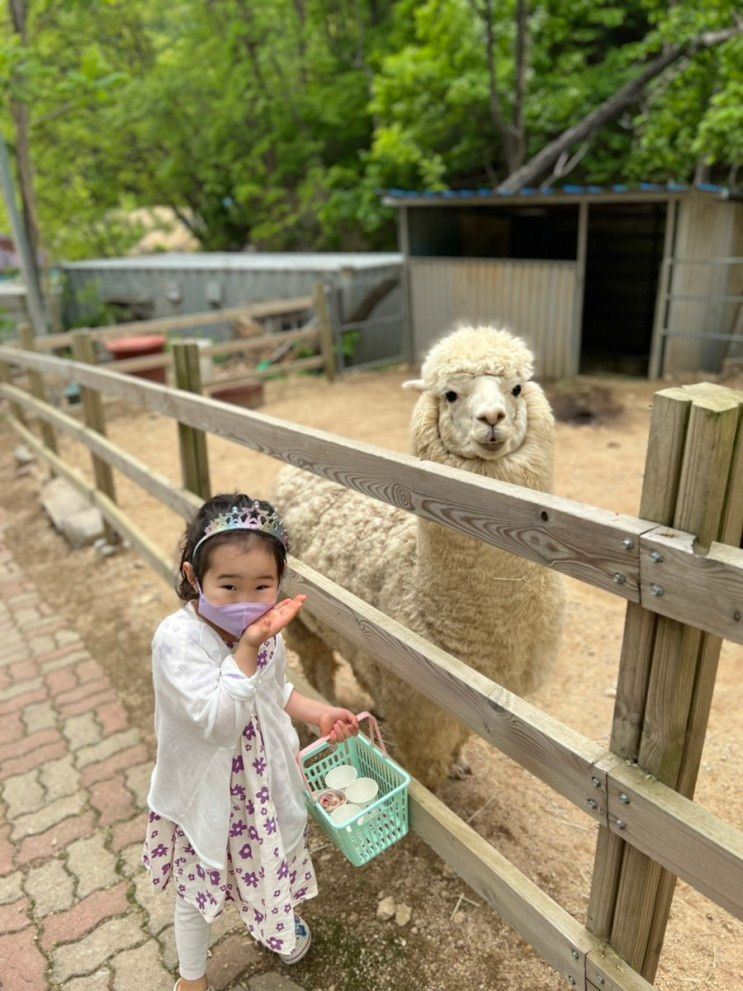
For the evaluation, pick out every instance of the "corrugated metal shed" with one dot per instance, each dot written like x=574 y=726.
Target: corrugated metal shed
x=313 y=262
x=366 y=296
x=656 y=270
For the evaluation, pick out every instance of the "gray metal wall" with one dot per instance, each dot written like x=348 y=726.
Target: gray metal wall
x=706 y=287
x=168 y=285
x=534 y=299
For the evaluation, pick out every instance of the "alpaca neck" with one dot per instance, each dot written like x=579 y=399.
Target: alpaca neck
x=460 y=580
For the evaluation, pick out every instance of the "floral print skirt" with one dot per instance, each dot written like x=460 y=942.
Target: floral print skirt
x=264 y=881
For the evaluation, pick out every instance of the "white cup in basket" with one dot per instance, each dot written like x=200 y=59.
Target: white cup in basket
x=344 y=813
x=362 y=792
x=341 y=776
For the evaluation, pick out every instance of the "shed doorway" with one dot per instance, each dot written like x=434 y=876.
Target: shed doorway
x=624 y=252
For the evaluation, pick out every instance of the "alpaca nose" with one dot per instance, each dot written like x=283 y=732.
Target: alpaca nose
x=492 y=416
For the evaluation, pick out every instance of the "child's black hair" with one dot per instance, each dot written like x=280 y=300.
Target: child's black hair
x=195 y=531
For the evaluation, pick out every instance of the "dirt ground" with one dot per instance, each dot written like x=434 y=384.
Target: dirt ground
x=117 y=602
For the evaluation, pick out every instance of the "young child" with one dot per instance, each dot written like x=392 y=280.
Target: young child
x=227 y=817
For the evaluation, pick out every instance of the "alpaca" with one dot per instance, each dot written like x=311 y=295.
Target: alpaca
x=497 y=612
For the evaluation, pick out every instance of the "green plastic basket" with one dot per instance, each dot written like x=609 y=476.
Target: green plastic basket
x=379 y=825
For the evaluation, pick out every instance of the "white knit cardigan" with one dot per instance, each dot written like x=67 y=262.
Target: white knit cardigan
x=202 y=703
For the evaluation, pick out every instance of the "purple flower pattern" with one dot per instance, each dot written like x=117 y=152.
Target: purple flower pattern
x=259 y=878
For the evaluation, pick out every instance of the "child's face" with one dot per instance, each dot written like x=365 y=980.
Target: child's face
x=239 y=575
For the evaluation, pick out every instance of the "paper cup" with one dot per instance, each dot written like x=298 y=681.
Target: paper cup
x=341 y=815
x=362 y=791
x=341 y=776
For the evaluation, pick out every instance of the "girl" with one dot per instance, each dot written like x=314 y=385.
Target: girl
x=227 y=817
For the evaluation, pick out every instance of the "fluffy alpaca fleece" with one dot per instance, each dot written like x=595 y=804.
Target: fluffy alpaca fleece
x=499 y=613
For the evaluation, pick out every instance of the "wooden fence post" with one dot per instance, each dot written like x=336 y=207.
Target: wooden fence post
x=38 y=389
x=83 y=350
x=192 y=442
x=6 y=378
x=667 y=669
x=326 y=330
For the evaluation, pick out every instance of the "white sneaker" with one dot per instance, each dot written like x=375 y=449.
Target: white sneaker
x=177 y=985
x=304 y=938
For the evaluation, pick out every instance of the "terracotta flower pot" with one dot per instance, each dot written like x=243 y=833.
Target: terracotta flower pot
x=249 y=395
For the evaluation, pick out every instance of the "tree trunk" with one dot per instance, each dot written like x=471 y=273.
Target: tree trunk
x=522 y=37
x=19 y=112
x=610 y=109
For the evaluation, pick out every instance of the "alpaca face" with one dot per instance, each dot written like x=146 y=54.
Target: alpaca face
x=482 y=416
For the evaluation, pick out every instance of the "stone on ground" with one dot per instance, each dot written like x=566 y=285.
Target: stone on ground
x=71 y=513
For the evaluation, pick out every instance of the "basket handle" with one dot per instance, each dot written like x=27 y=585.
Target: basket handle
x=374 y=735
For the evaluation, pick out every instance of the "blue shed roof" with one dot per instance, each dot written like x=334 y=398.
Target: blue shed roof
x=617 y=191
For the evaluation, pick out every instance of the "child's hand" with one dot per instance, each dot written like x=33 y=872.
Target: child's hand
x=338 y=724
x=273 y=621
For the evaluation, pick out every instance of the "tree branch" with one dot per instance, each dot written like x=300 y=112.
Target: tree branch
x=612 y=108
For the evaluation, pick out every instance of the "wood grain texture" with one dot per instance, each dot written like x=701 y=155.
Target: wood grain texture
x=605 y=971
x=179 y=500
x=115 y=518
x=36 y=381
x=166 y=325
x=6 y=379
x=572 y=538
x=249 y=345
x=679 y=834
x=668 y=423
x=581 y=541
x=326 y=329
x=730 y=532
x=94 y=416
x=696 y=586
x=257 y=375
x=146 y=361
x=191 y=442
x=562 y=941
x=553 y=752
x=642 y=902
x=555 y=935
x=553 y=931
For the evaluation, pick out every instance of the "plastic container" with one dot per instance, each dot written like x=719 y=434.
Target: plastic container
x=140 y=347
x=249 y=395
x=373 y=829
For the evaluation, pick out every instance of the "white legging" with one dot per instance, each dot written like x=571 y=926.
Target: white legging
x=191 y=940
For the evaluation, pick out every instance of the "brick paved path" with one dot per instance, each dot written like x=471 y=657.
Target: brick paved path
x=76 y=910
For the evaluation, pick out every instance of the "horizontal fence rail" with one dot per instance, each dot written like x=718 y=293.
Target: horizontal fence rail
x=560 y=939
x=596 y=546
x=701 y=849
x=662 y=570
x=245 y=345
x=186 y=321
x=575 y=953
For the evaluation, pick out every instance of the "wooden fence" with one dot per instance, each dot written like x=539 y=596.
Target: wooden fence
x=678 y=567
x=318 y=331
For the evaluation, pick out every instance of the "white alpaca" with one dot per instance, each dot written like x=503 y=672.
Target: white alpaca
x=499 y=613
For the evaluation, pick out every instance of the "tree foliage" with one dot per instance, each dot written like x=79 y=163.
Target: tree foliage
x=278 y=123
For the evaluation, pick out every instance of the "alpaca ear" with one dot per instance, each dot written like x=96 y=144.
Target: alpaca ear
x=417 y=384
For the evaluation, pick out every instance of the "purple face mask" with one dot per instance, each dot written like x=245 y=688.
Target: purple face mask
x=234 y=618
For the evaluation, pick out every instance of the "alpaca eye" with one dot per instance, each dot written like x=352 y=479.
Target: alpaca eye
x=450 y=396
x=516 y=391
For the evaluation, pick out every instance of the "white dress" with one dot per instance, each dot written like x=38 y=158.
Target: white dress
x=227 y=817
